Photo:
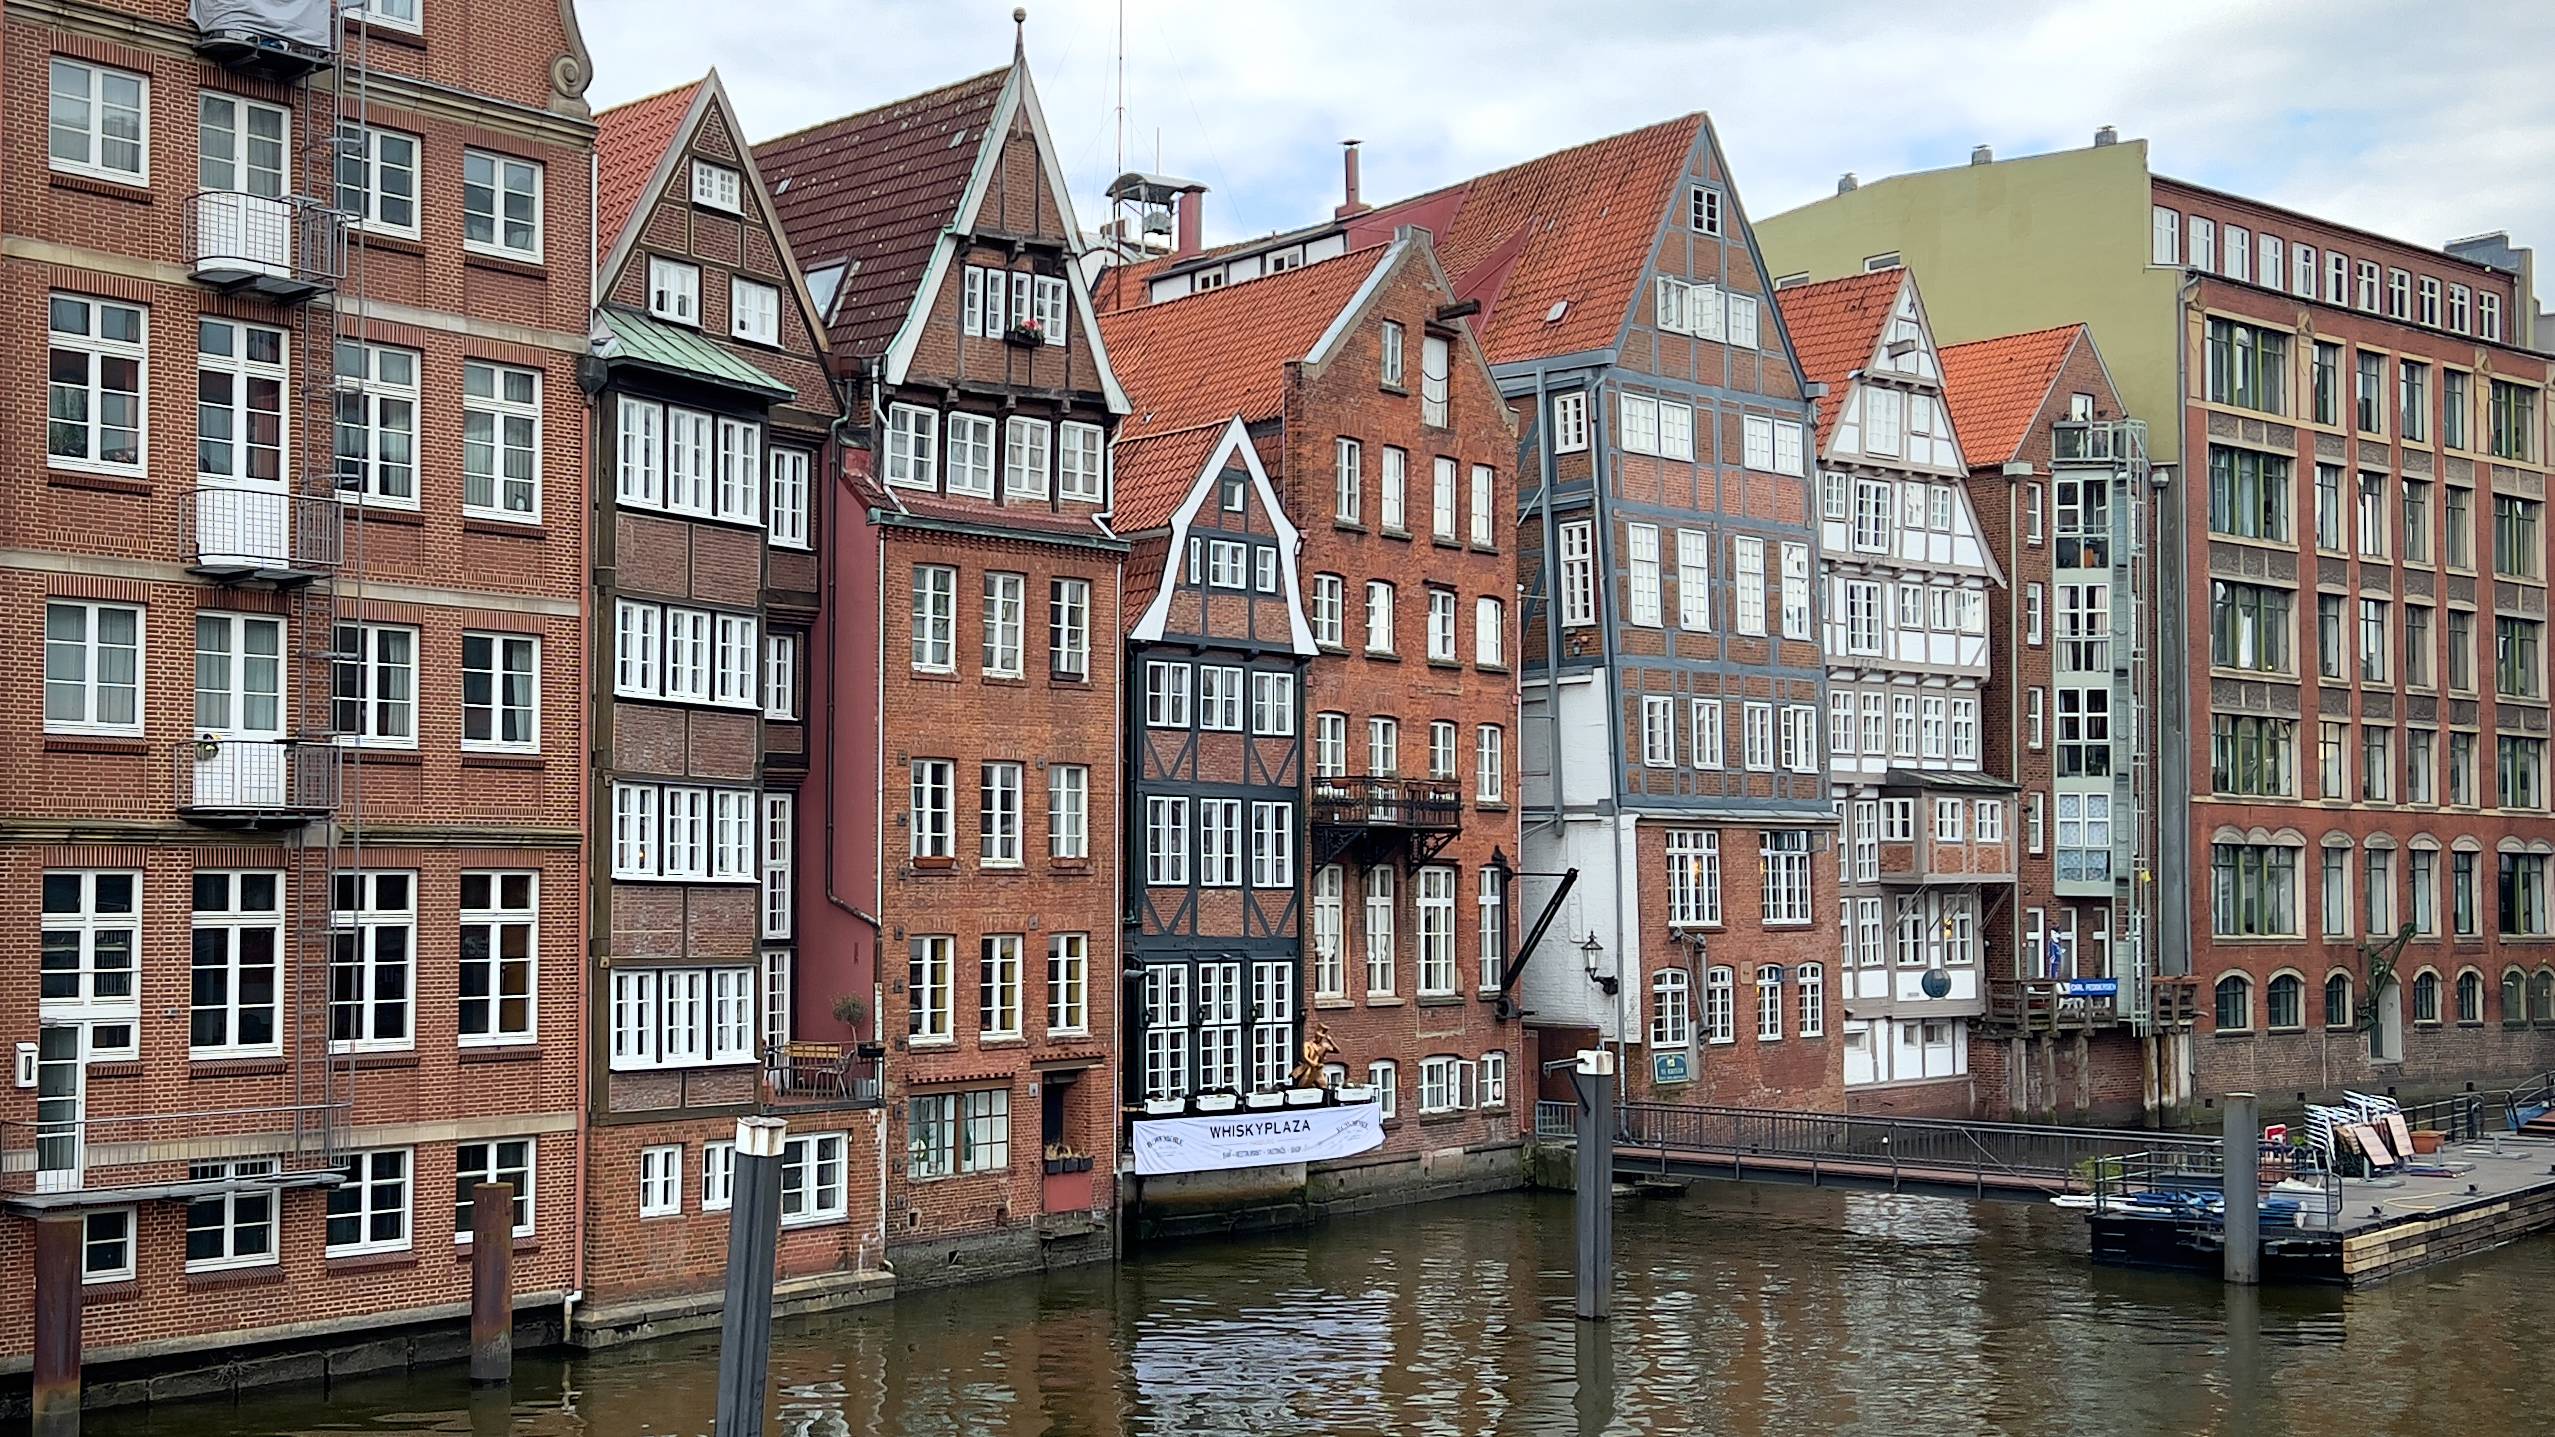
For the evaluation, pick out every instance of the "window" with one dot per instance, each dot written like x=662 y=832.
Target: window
x=501 y=206
x=2246 y=366
x=500 y=919
x=2253 y=756
x=2249 y=627
x=2515 y=646
x=2369 y=392
x=376 y=430
x=1436 y=355
x=998 y=986
x=2168 y=236
x=1578 y=575
x=1025 y=464
x=2522 y=899
x=2456 y=405
x=2489 y=307
x=1392 y=359
x=100 y=122
x=813 y=1182
x=2374 y=642
x=999 y=818
x=2368 y=287
x=1436 y=904
x=1001 y=655
x=2204 y=243
x=1379 y=617
x=1441 y=627
x=2470 y=997
x=1641 y=545
x=1490 y=633
x=1720 y=999
x=97 y=363
x=1490 y=765
x=501 y=444
x=2249 y=494
x=2255 y=890
x=2522 y=769
x=505 y=1160
x=238 y=942
x=1796 y=591
x=754 y=310
x=1329 y=921
x=1325 y=610
x=674 y=290
x=930 y=815
x=1220 y=842
x=1749 y=582
x=1349 y=481
x=931 y=985
x=1166 y=841
x=1442 y=499
x=91 y=934
x=375 y=685
x=2288 y=1002
x=2518 y=548
x=1485 y=487
x=501 y=692
x=661 y=1181
x=1671 y=1013
x=1384 y=1077
x=2235 y=1004
x=1273 y=845
x=1570 y=422
x=1786 y=858
x=371 y=966
x=1166 y=694
x=1379 y=931
x=377 y=179
x=2238 y=260
x=92 y=668
x=1391 y=491
x=1445 y=1084
x=368 y=1210
x=234 y=1228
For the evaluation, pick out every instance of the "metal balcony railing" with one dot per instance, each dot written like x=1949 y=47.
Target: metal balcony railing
x=2042 y=1005
x=287 y=248
x=256 y=777
x=1412 y=803
x=819 y=1075
x=240 y=531
x=103 y=1154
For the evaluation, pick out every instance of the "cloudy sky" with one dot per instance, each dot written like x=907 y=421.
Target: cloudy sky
x=2422 y=120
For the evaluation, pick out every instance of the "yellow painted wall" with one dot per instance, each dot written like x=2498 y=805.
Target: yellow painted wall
x=2021 y=244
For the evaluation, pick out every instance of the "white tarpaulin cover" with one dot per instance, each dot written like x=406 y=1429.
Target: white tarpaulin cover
x=304 y=22
x=1254 y=1138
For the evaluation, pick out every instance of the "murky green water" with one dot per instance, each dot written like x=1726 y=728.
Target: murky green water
x=1742 y=1310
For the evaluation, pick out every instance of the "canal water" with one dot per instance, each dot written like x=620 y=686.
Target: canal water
x=1742 y=1311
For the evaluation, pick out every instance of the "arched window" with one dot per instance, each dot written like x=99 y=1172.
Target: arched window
x=1812 y=979
x=1769 y=1002
x=2287 y=1007
x=2541 y=997
x=2235 y=1003
x=2426 y=997
x=1671 y=1020
x=2514 y=996
x=2470 y=997
x=2337 y=1001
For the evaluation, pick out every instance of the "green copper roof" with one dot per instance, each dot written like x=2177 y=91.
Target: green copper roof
x=625 y=337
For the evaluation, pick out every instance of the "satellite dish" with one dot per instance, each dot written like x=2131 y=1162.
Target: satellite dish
x=1936 y=983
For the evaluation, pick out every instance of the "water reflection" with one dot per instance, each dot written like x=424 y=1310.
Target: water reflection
x=1741 y=1312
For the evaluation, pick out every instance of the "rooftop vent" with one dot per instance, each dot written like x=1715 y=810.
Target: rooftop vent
x=2106 y=136
x=1982 y=155
x=1846 y=183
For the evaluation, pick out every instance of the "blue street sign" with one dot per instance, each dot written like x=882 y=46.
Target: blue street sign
x=2090 y=987
x=1672 y=1067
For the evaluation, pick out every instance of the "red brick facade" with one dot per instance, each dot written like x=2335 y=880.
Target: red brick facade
x=457 y=790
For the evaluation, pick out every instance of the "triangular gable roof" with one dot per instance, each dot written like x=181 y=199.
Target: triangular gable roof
x=1154 y=473
x=1232 y=442
x=877 y=189
x=635 y=149
x=1836 y=328
x=1575 y=227
x=907 y=207
x=1209 y=356
x=1997 y=387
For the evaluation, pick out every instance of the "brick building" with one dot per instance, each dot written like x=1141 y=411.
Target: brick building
x=942 y=249
x=2058 y=487
x=713 y=420
x=2350 y=824
x=1926 y=846
x=1393 y=454
x=296 y=820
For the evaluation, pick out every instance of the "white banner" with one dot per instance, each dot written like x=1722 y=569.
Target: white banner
x=1252 y=1139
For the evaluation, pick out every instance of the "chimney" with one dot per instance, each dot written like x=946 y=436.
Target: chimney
x=1348 y=162
x=1846 y=183
x=1982 y=155
x=2106 y=136
x=1193 y=205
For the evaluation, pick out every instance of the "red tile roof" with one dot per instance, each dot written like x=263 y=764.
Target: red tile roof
x=629 y=140
x=1997 y=387
x=1156 y=472
x=877 y=189
x=1574 y=226
x=1835 y=327
x=1205 y=358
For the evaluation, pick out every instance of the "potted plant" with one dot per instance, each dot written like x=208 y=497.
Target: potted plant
x=1027 y=334
x=851 y=1011
x=1061 y=1158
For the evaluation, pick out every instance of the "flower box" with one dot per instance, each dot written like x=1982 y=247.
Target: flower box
x=1358 y=1093
x=1216 y=1102
x=1264 y=1100
x=1059 y=1166
x=1026 y=336
x=1165 y=1107
x=1305 y=1097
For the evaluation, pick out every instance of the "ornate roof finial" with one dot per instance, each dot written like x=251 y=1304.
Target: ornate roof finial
x=1019 y=30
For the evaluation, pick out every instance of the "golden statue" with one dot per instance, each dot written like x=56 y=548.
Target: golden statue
x=1318 y=1049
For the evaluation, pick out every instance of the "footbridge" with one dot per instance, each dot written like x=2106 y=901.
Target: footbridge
x=1926 y=1155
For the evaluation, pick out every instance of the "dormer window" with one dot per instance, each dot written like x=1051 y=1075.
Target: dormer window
x=1703 y=211
x=1233 y=491
x=718 y=187
x=674 y=290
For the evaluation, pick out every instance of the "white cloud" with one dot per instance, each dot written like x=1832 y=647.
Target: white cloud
x=2422 y=121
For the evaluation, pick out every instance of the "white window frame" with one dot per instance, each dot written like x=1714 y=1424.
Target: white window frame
x=718 y=187
x=96 y=353
x=92 y=651
x=367 y=1186
x=368 y=668
x=365 y=151
x=94 y=81
x=661 y=1180
x=674 y=290
x=1081 y=462
x=513 y=427
x=1570 y=422
x=507 y=176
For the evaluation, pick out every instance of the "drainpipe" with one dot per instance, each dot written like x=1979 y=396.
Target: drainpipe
x=585 y=1052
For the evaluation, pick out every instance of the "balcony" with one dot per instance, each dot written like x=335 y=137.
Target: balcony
x=820 y=1075
x=75 y=1160
x=255 y=781
x=1379 y=816
x=2053 y=1005
x=243 y=533
x=261 y=38
x=283 y=248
